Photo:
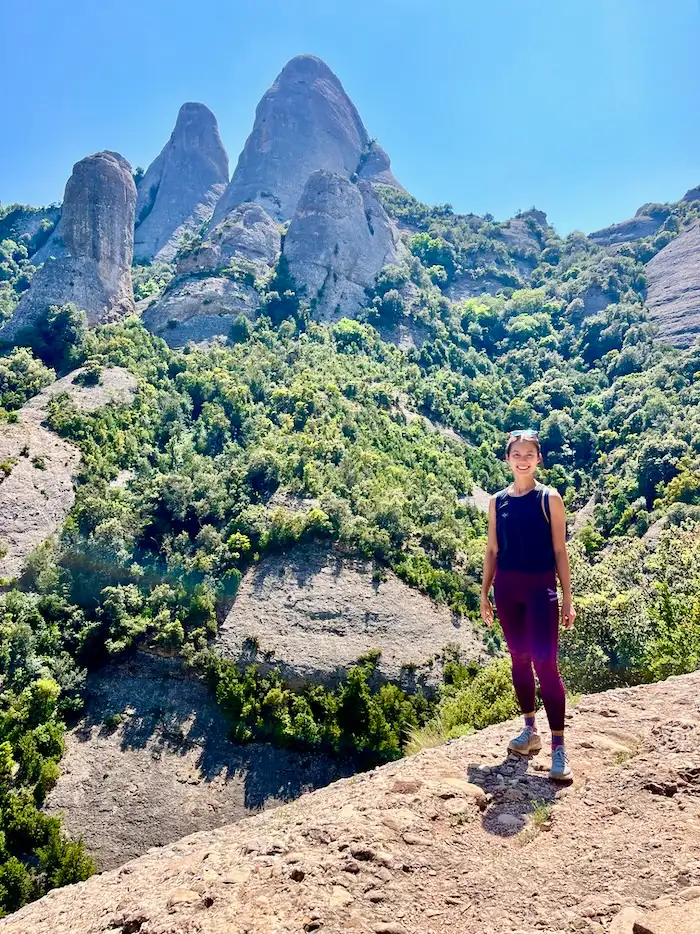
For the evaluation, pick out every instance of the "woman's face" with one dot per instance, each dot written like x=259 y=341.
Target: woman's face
x=523 y=459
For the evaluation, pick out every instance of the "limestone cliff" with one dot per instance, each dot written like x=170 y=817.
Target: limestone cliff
x=673 y=293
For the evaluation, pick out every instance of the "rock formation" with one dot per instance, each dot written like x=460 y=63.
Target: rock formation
x=692 y=195
x=643 y=224
x=339 y=239
x=375 y=166
x=447 y=840
x=38 y=494
x=182 y=185
x=317 y=612
x=167 y=769
x=304 y=122
x=96 y=237
x=673 y=291
x=214 y=282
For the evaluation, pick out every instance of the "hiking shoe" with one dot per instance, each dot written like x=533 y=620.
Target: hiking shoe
x=561 y=770
x=528 y=741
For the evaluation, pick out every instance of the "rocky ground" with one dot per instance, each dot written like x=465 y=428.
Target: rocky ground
x=165 y=768
x=36 y=481
x=313 y=612
x=460 y=838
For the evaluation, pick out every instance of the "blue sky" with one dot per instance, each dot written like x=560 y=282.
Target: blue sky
x=585 y=108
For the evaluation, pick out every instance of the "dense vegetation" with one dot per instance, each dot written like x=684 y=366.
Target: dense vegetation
x=319 y=411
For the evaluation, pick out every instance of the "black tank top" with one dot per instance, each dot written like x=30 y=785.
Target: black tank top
x=524 y=532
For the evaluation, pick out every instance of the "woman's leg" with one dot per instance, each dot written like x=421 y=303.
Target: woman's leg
x=542 y=613
x=511 y=613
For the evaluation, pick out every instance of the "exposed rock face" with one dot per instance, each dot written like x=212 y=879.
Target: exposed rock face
x=198 y=307
x=38 y=494
x=168 y=769
x=338 y=241
x=692 y=195
x=450 y=830
x=376 y=167
x=182 y=185
x=641 y=225
x=96 y=237
x=304 y=122
x=318 y=612
x=673 y=292
x=247 y=236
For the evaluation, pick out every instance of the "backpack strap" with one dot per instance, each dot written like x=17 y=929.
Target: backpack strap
x=544 y=502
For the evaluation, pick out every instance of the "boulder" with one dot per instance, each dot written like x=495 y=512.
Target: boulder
x=182 y=185
x=303 y=123
x=339 y=239
x=673 y=291
x=95 y=240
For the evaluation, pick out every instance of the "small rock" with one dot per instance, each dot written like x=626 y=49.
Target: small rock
x=182 y=896
x=375 y=896
x=509 y=820
x=623 y=922
x=691 y=892
x=412 y=839
x=392 y=927
x=313 y=924
x=406 y=786
x=340 y=897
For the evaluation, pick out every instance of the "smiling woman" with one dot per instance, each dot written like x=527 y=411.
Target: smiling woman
x=526 y=550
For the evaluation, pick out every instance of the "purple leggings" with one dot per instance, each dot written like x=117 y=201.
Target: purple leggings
x=529 y=613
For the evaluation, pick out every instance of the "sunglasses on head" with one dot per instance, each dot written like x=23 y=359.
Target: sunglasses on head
x=526 y=434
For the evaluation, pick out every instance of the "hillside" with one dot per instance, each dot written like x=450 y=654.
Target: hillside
x=455 y=838
x=249 y=426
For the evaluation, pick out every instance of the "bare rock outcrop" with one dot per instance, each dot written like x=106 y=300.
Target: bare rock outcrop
x=303 y=123
x=36 y=489
x=150 y=762
x=180 y=189
x=673 y=291
x=215 y=280
x=339 y=239
x=95 y=240
x=643 y=224
x=446 y=840
x=313 y=613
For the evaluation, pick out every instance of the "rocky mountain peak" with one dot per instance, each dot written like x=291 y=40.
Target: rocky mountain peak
x=182 y=185
x=92 y=249
x=339 y=239
x=304 y=122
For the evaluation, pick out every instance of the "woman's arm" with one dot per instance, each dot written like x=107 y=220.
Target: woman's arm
x=489 y=565
x=561 y=557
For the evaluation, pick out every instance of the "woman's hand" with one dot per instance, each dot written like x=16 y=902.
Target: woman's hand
x=486 y=610
x=568 y=614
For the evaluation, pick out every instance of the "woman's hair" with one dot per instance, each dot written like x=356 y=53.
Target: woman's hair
x=524 y=434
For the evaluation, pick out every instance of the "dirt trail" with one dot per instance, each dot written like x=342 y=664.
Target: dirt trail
x=448 y=840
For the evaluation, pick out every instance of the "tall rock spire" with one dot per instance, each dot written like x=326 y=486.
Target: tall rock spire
x=303 y=123
x=182 y=185
x=95 y=241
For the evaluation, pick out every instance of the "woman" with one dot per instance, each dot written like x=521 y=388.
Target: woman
x=526 y=549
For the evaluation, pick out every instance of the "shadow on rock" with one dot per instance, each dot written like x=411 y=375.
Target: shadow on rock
x=516 y=793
